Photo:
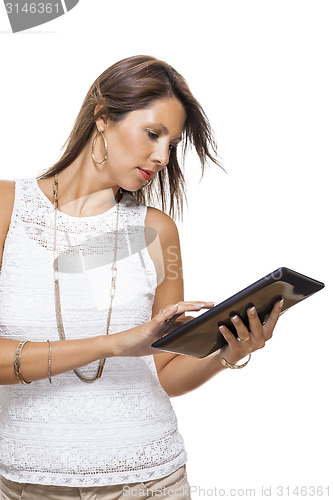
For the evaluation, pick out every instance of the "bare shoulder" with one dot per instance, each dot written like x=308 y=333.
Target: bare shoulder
x=161 y=222
x=168 y=263
x=161 y=236
x=7 y=195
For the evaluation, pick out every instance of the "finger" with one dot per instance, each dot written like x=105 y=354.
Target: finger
x=190 y=306
x=272 y=319
x=184 y=307
x=165 y=315
x=255 y=324
x=170 y=314
x=242 y=332
x=229 y=337
x=194 y=305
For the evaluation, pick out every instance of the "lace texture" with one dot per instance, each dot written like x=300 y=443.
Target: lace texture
x=122 y=428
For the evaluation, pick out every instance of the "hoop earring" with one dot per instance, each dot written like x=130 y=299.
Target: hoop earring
x=93 y=148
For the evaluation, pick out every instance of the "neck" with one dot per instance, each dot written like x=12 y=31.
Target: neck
x=84 y=190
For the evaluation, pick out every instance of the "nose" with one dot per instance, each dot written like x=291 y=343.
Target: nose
x=161 y=155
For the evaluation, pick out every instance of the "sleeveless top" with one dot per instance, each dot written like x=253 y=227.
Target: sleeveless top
x=120 y=429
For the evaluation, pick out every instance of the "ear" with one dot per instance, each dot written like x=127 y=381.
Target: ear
x=102 y=121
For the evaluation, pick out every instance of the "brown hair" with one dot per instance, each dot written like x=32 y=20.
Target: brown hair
x=131 y=84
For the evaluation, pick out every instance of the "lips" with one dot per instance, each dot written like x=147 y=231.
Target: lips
x=146 y=174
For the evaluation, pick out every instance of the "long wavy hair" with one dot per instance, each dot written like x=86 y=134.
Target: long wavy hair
x=134 y=83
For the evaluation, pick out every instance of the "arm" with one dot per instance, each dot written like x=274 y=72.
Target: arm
x=180 y=374
x=68 y=354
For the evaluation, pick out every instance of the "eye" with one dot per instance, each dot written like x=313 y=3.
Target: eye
x=152 y=135
x=155 y=136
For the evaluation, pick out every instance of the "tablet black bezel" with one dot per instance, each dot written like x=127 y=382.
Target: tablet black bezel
x=204 y=344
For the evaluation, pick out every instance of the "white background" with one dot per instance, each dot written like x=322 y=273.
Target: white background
x=263 y=72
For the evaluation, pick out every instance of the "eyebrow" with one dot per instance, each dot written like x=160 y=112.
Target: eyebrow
x=166 y=131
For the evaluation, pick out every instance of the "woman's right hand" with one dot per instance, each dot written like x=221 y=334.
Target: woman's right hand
x=137 y=341
x=75 y=353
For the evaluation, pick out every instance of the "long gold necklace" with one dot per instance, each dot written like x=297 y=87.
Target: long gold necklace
x=57 y=290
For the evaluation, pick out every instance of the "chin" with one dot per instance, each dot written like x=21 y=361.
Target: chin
x=131 y=187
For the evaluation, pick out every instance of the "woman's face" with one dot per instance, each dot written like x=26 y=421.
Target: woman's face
x=142 y=141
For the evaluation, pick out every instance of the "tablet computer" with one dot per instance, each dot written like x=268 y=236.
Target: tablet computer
x=201 y=336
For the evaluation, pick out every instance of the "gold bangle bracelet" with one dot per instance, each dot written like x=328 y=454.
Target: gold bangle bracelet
x=17 y=362
x=231 y=365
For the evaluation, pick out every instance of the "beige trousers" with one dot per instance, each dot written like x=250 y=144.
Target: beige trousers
x=173 y=486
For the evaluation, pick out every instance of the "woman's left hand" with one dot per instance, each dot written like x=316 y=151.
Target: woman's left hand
x=249 y=340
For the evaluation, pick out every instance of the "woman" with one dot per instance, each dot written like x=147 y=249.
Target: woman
x=84 y=397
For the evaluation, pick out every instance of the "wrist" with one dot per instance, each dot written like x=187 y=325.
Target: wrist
x=228 y=361
x=226 y=354
x=105 y=346
x=216 y=360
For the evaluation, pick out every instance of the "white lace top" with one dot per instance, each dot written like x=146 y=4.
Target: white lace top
x=120 y=429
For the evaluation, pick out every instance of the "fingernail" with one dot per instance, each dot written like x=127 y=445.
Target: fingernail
x=235 y=318
x=222 y=328
x=281 y=303
x=173 y=307
x=253 y=310
x=210 y=303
